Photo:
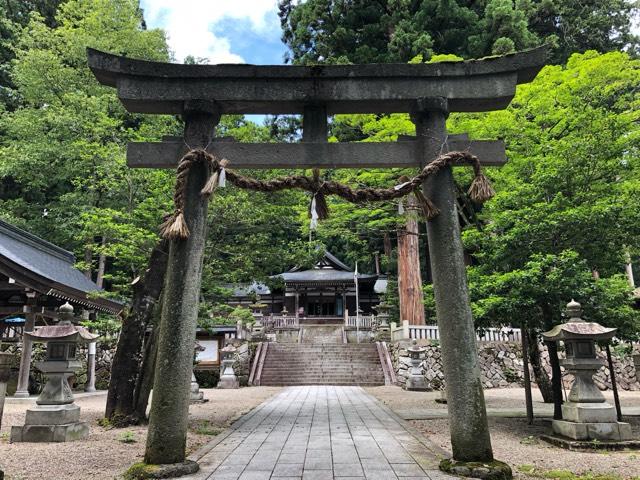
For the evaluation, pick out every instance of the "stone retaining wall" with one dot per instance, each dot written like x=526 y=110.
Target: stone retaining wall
x=501 y=366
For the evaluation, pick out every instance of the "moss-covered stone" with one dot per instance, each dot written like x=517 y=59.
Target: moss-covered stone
x=141 y=471
x=493 y=470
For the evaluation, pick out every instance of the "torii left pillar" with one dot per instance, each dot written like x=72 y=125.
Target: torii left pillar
x=167 y=437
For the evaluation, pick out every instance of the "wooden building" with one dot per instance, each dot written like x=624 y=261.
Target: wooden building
x=36 y=277
x=325 y=293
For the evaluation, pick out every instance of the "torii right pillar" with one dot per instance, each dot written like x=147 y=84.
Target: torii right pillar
x=470 y=440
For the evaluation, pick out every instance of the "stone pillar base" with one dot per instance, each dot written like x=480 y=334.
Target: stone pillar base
x=418 y=384
x=228 y=382
x=21 y=394
x=610 y=431
x=588 y=412
x=195 y=395
x=51 y=423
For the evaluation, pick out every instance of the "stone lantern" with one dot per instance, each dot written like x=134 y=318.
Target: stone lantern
x=586 y=415
x=228 y=378
x=416 y=380
x=383 y=332
x=195 y=395
x=56 y=418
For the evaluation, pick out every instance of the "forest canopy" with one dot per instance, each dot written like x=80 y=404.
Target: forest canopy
x=564 y=222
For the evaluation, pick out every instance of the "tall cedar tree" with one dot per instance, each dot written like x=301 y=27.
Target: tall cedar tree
x=370 y=31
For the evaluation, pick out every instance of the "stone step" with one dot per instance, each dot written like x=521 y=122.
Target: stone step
x=322 y=364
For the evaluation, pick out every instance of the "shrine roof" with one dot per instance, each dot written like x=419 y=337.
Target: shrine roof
x=328 y=270
x=471 y=85
x=48 y=269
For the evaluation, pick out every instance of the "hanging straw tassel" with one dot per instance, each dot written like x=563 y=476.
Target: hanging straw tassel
x=319 y=200
x=481 y=190
x=175 y=227
x=429 y=210
x=322 y=209
x=216 y=179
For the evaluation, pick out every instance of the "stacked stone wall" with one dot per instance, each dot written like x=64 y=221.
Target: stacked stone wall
x=501 y=366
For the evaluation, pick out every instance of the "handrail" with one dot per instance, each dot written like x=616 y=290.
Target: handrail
x=432 y=332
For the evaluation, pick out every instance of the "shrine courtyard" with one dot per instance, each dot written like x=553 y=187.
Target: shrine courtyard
x=311 y=429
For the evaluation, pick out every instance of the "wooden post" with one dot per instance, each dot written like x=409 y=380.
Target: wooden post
x=167 y=437
x=614 y=384
x=470 y=438
x=527 y=377
x=22 y=390
x=405 y=330
x=409 y=276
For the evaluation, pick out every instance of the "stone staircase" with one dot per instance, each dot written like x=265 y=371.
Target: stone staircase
x=322 y=334
x=322 y=364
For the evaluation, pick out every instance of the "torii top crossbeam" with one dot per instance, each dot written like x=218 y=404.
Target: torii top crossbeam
x=317 y=91
x=469 y=86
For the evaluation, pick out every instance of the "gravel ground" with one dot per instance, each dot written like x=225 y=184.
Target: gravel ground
x=512 y=398
x=103 y=455
x=517 y=443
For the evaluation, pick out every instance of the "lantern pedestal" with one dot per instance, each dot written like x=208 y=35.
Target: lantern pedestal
x=55 y=418
x=603 y=431
x=51 y=423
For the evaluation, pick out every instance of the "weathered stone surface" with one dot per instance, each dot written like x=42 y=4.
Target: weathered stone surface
x=141 y=471
x=403 y=154
x=507 y=371
x=53 y=415
x=474 y=85
x=49 y=433
x=494 y=470
x=614 y=431
x=588 y=412
x=168 y=419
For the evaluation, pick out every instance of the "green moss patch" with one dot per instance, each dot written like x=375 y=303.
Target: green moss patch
x=493 y=470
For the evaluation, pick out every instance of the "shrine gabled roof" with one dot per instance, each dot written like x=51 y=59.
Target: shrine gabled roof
x=48 y=269
x=328 y=270
x=469 y=86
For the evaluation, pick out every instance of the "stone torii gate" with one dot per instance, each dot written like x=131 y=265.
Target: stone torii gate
x=428 y=92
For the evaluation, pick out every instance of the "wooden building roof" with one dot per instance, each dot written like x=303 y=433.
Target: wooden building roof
x=33 y=263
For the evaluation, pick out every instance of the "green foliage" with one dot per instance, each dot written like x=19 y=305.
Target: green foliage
x=565 y=206
x=383 y=31
x=62 y=168
x=127 y=437
x=205 y=427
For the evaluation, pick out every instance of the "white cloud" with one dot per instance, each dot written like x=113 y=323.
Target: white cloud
x=189 y=24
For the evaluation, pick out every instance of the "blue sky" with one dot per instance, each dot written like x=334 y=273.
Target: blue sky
x=222 y=31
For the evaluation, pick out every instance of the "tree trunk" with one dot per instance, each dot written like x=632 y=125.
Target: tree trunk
x=88 y=259
x=144 y=383
x=409 y=277
x=556 y=372
x=556 y=380
x=128 y=356
x=102 y=262
x=539 y=373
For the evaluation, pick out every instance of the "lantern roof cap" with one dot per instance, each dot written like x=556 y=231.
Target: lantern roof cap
x=67 y=332
x=577 y=328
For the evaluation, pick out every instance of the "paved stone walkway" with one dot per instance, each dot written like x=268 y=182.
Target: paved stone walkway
x=317 y=433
